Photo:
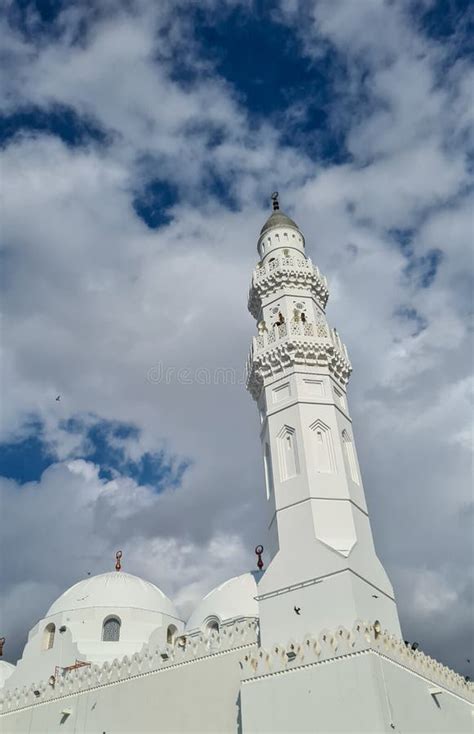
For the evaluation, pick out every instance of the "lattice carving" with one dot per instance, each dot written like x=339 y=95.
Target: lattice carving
x=297 y=273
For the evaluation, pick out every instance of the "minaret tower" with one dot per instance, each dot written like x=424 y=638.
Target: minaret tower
x=323 y=571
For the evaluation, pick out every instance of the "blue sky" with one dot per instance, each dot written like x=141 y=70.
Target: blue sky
x=140 y=142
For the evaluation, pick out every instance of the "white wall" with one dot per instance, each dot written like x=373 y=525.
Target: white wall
x=361 y=680
x=193 y=696
x=364 y=693
x=82 y=640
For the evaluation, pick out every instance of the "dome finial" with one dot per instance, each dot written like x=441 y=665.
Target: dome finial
x=275 y=202
x=258 y=552
x=118 y=556
x=2 y=642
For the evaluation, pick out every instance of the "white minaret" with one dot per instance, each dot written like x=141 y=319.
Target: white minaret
x=324 y=571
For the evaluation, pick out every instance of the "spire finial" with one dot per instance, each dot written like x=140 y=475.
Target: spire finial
x=275 y=202
x=118 y=556
x=2 y=642
x=258 y=552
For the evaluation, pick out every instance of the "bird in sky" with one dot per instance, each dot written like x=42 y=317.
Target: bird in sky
x=374 y=596
x=297 y=609
x=58 y=398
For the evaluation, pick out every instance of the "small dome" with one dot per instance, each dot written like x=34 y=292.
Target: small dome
x=278 y=219
x=114 y=589
x=6 y=669
x=234 y=599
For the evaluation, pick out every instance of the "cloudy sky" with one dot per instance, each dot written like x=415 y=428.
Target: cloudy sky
x=140 y=143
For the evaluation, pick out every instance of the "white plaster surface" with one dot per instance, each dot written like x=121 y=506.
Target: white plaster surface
x=232 y=600
x=140 y=606
x=6 y=669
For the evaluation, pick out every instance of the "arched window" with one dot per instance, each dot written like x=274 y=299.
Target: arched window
x=111 y=629
x=171 y=634
x=212 y=625
x=48 y=636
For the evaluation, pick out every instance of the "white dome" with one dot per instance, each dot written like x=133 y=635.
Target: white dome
x=6 y=669
x=114 y=589
x=234 y=599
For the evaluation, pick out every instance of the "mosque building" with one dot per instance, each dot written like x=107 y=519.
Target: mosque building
x=311 y=643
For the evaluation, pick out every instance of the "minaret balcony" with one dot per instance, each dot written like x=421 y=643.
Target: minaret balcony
x=296 y=343
x=286 y=272
x=319 y=332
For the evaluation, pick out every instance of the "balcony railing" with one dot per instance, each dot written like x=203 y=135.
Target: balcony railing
x=287 y=263
x=313 y=332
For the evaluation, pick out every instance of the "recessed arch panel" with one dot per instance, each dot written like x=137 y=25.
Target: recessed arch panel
x=350 y=456
x=323 y=448
x=288 y=453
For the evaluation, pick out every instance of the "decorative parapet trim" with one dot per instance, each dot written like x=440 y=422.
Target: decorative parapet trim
x=148 y=660
x=265 y=362
x=364 y=637
x=288 y=272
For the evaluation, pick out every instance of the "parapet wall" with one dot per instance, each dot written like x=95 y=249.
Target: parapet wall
x=342 y=643
x=150 y=659
x=200 y=687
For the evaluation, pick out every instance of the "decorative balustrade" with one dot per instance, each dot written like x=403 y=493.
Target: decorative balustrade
x=301 y=330
x=297 y=272
x=285 y=263
x=317 y=332
x=295 y=342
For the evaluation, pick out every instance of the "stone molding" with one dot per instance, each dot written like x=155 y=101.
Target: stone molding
x=257 y=662
x=286 y=272
x=265 y=363
x=148 y=660
x=331 y=646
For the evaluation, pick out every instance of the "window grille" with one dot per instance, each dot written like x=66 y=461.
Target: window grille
x=111 y=630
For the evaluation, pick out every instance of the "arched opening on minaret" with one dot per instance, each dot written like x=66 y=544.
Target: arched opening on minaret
x=350 y=456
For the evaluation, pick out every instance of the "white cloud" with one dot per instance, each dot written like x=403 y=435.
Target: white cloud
x=93 y=300
x=85 y=520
